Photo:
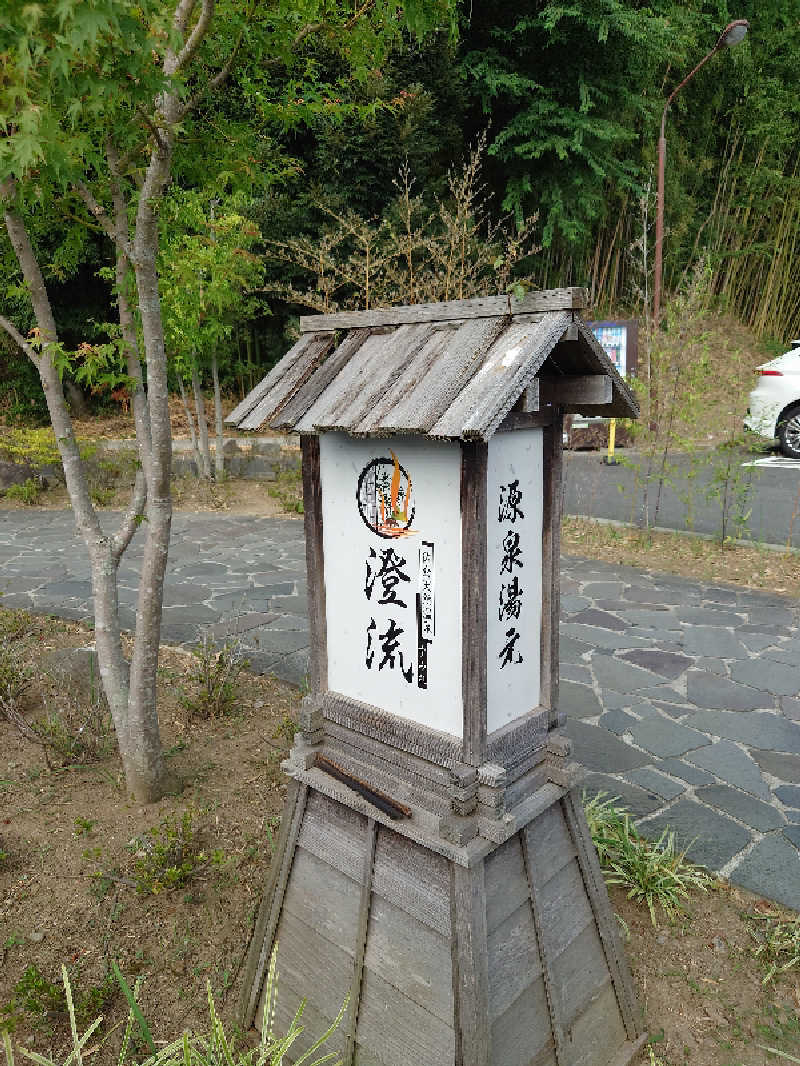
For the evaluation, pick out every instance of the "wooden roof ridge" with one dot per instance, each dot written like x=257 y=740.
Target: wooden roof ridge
x=447 y=371
x=574 y=298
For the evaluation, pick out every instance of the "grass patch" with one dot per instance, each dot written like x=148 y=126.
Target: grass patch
x=287 y=488
x=684 y=554
x=777 y=939
x=653 y=873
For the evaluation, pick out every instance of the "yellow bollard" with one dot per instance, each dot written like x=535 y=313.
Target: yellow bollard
x=612 y=434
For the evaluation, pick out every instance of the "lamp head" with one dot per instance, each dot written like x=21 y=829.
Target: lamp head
x=733 y=33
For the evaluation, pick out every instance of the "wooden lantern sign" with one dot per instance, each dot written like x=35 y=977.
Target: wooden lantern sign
x=434 y=862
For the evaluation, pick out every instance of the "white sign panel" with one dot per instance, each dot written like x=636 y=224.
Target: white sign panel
x=514 y=575
x=391 y=525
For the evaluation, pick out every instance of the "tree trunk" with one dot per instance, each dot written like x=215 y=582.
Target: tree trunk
x=202 y=424
x=148 y=775
x=76 y=399
x=146 y=779
x=219 y=428
x=190 y=419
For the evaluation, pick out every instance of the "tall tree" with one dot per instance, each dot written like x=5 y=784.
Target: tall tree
x=94 y=98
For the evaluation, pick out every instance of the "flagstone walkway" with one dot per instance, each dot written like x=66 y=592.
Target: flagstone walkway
x=683 y=699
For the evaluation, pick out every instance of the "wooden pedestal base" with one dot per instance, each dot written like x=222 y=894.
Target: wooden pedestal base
x=482 y=955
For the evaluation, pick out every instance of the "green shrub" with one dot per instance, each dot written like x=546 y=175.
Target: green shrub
x=170 y=855
x=27 y=492
x=288 y=489
x=216 y=675
x=40 y=1003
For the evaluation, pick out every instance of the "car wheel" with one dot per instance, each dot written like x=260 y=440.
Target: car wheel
x=789 y=432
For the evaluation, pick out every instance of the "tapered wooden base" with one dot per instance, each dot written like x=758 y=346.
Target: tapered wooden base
x=485 y=955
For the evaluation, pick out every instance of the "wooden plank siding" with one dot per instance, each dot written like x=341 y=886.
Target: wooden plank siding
x=272 y=902
x=331 y=910
x=334 y=834
x=413 y=879
x=604 y=916
x=284 y=366
x=506 y=884
x=471 y=959
x=361 y=939
x=513 y=957
x=292 y=378
x=521 y=1036
x=410 y=957
x=398 y=1031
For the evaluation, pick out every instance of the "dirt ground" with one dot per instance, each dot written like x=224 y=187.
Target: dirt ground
x=71 y=839
x=681 y=553
x=188 y=494
x=68 y=842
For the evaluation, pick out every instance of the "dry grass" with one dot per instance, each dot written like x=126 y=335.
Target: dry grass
x=684 y=554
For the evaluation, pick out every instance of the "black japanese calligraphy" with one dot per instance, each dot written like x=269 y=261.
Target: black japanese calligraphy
x=387 y=567
x=510 y=499
x=392 y=655
x=510 y=600
x=509 y=604
x=508 y=653
x=512 y=553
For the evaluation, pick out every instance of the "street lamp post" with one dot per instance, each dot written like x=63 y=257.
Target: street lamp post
x=733 y=33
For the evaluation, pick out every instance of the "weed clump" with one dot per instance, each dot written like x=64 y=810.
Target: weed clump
x=39 y=1003
x=27 y=491
x=170 y=855
x=777 y=939
x=652 y=872
x=215 y=677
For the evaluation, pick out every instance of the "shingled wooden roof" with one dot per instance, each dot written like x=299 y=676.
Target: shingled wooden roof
x=449 y=370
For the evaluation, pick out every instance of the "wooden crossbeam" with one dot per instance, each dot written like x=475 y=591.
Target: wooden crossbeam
x=587 y=389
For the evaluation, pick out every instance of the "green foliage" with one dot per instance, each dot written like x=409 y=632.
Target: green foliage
x=211 y=1048
x=74 y=733
x=288 y=489
x=207 y=267
x=36 y=447
x=15 y=674
x=216 y=675
x=569 y=87
x=170 y=855
x=418 y=251
x=285 y=730
x=777 y=942
x=27 y=492
x=652 y=872
x=40 y=1003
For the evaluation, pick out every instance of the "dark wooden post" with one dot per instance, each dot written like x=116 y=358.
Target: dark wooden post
x=474 y=457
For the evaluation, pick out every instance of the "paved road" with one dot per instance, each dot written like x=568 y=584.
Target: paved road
x=766 y=495
x=683 y=698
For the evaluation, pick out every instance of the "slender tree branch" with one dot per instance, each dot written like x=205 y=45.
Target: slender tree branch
x=156 y=132
x=183 y=12
x=96 y=209
x=359 y=14
x=131 y=519
x=195 y=39
x=219 y=78
x=16 y=336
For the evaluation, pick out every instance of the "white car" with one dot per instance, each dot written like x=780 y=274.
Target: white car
x=774 y=409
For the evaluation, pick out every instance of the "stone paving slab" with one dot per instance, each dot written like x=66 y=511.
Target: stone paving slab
x=683 y=699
